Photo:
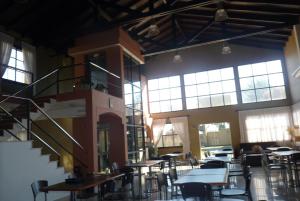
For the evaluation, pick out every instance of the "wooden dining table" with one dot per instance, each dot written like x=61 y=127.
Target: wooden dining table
x=83 y=184
x=215 y=176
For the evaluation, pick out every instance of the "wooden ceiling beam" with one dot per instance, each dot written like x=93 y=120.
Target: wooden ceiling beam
x=221 y=39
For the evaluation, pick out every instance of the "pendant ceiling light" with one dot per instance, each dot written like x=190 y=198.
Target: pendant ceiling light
x=226 y=49
x=221 y=15
x=177 y=58
x=153 y=30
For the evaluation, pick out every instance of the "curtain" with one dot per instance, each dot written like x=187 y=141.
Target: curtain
x=29 y=54
x=180 y=127
x=158 y=128
x=6 y=45
x=296 y=114
x=265 y=125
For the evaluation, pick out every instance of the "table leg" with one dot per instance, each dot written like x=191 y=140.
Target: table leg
x=141 y=195
x=290 y=172
x=99 y=198
x=72 y=196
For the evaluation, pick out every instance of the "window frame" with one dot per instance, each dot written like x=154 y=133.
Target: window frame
x=209 y=82
x=16 y=69
x=169 y=89
x=268 y=87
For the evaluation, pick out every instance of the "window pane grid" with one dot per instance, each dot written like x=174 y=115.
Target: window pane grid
x=262 y=82
x=216 y=88
x=165 y=94
x=16 y=70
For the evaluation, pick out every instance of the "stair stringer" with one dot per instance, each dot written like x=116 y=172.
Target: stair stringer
x=20 y=166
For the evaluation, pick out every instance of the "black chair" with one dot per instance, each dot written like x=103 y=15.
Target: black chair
x=220 y=164
x=283 y=149
x=173 y=177
x=227 y=149
x=124 y=182
x=194 y=162
x=162 y=184
x=270 y=167
x=239 y=192
x=196 y=190
x=295 y=159
x=36 y=186
x=221 y=155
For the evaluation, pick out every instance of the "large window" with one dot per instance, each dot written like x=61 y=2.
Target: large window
x=210 y=88
x=16 y=70
x=262 y=82
x=165 y=94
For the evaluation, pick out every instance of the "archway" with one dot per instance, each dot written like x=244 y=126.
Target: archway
x=111 y=141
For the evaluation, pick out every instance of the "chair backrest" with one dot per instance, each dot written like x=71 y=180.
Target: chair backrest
x=283 y=149
x=209 y=166
x=193 y=162
x=173 y=175
x=196 y=190
x=128 y=175
x=162 y=180
x=218 y=163
x=295 y=157
x=36 y=186
x=227 y=149
x=115 y=167
x=220 y=155
x=248 y=182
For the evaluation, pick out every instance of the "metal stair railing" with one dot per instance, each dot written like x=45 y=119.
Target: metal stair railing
x=48 y=117
x=31 y=132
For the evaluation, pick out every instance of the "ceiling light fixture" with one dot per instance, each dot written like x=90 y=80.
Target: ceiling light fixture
x=153 y=31
x=226 y=49
x=177 y=58
x=221 y=15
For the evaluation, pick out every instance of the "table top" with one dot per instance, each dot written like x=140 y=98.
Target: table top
x=147 y=163
x=173 y=155
x=85 y=184
x=226 y=159
x=285 y=153
x=222 y=152
x=212 y=171
x=213 y=179
x=276 y=148
x=216 y=176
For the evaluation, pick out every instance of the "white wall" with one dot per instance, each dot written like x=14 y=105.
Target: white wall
x=20 y=166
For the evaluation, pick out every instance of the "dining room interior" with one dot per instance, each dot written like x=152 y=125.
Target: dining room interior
x=150 y=100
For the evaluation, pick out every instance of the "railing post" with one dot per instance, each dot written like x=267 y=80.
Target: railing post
x=29 y=137
x=57 y=82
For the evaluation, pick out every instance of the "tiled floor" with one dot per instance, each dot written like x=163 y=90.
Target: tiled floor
x=260 y=188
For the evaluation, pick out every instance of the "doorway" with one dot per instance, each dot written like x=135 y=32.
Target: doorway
x=103 y=146
x=214 y=136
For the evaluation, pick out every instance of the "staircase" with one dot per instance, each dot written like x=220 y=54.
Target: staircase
x=30 y=160
x=21 y=113
x=20 y=166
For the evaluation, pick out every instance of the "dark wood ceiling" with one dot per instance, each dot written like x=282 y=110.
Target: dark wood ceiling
x=55 y=23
